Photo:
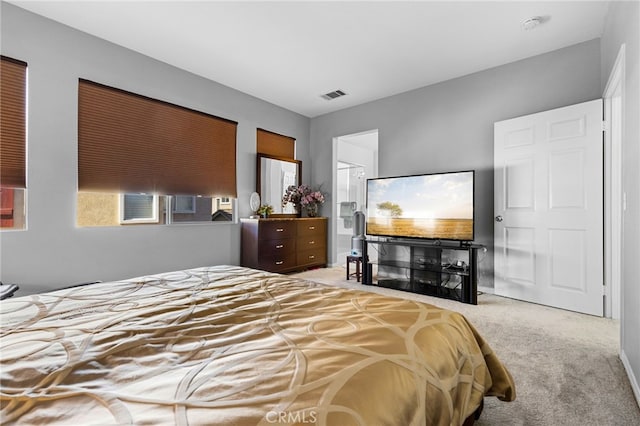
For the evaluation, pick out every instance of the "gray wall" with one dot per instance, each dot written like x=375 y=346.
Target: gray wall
x=622 y=27
x=449 y=126
x=53 y=252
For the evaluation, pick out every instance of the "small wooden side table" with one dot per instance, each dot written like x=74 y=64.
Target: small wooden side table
x=358 y=261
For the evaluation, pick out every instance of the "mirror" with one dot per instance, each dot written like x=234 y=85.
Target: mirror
x=274 y=175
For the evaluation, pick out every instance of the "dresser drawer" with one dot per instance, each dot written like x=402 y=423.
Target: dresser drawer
x=277 y=229
x=272 y=247
x=312 y=227
x=309 y=242
x=315 y=256
x=278 y=262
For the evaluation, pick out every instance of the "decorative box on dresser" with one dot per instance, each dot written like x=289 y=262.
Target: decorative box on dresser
x=284 y=244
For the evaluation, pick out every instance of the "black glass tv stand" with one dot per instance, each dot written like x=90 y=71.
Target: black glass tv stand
x=435 y=268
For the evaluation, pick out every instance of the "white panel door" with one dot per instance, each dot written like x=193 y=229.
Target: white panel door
x=548 y=208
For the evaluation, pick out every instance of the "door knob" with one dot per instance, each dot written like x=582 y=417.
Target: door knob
x=498 y=218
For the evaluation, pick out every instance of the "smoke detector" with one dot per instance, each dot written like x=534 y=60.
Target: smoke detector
x=530 y=23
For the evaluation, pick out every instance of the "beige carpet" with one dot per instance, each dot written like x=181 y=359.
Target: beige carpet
x=565 y=365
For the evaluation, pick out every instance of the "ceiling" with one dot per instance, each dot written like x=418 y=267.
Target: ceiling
x=291 y=53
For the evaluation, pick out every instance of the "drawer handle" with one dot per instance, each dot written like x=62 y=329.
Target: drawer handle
x=279 y=262
x=279 y=229
x=279 y=246
x=312 y=257
x=312 y=228
x=312 y=242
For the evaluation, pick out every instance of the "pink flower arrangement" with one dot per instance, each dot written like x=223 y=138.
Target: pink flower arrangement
x=315 y=197
x=302 y=195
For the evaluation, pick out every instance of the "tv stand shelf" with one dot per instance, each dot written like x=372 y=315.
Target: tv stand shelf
x=445 y=270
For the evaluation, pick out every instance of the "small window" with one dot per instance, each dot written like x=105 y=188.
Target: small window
x=205 y=209
x=138 y=208
x=223 y=209
x=13 y=143
x=12 y=211
x=224 y=203
x=184 y=204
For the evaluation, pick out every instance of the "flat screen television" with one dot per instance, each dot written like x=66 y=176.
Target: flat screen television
x=436 y=206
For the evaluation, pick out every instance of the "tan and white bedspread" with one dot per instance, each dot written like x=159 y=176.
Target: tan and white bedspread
x=228 y=345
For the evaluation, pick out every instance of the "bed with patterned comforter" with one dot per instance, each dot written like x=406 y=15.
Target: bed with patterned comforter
x=227 y=345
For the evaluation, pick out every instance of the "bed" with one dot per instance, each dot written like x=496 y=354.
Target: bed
x=227 y=345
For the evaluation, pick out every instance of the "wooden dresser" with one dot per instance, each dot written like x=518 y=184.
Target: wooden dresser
x=284 y=245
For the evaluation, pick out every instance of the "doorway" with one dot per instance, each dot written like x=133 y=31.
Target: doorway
x=614 y=196
x=355 y=160
x=350 y=197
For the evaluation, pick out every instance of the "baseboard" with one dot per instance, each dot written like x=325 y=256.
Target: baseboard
x=632 y=378
x=486 y=290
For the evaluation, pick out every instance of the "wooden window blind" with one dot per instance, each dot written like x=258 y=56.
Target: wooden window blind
x=276 y=145
x=132 y=143
x=13 y=90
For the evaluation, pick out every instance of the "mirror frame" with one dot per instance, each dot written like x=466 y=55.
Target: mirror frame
x=259 y=174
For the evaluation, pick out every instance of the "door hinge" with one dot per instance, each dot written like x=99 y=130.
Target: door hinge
x=605 y=126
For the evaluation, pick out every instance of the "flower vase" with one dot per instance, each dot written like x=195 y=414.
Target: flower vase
x=312 y=210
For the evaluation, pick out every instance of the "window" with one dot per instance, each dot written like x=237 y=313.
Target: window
x=13 y=113
x=184 y=204
x=205 y=209
x=224 y=203
x=108 y=209
x=139 y=208
x=131 y=146
x=12 y=211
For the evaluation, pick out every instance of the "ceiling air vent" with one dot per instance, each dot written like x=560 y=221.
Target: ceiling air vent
x=332 y=95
